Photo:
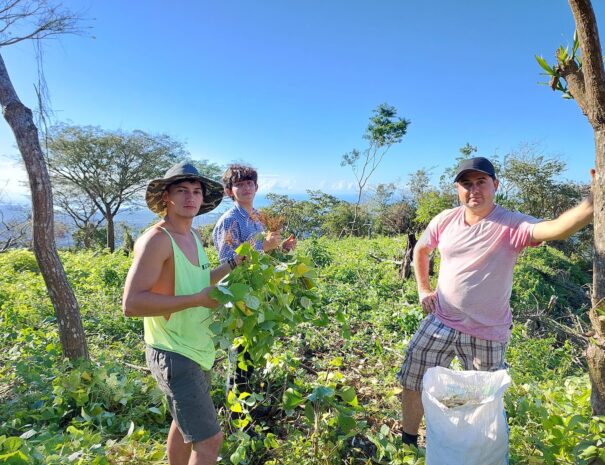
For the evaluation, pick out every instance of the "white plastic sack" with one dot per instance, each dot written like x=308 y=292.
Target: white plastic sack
x=465 y=418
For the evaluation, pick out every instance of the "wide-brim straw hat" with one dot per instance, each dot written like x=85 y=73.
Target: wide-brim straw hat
x=184 y=171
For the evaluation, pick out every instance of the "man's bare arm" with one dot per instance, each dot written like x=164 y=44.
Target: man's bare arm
x=223 y=270
x=421 y=267
x=150 y=255
x=428 y=297
x=567 y=223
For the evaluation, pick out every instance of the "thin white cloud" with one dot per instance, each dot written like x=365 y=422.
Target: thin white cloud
x=343 y=186
x=279 y=184
x=272 y=183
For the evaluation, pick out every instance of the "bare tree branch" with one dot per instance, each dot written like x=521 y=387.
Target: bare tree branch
x=34 y=19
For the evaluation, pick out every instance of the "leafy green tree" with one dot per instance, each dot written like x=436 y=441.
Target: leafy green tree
x=343 y=215
x=209 y=169
x=290 y=211
x=397 y=218
x=111 y=168
x=383 y=196
x=430 y=205
x=89 y=237
x=530 y=184
x=83 y=213
x=419 y=184
x=302 y=217
x=384 y=130
x=584 y=79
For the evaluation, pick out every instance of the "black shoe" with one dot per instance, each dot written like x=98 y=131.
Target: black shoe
x=410 y=439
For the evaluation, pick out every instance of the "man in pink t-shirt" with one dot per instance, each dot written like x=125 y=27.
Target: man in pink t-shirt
x=469 y=314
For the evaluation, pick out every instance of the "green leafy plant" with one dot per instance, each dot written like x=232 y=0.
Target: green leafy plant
x=261 y=299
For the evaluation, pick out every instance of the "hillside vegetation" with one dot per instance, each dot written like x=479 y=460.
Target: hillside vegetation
x=327 y=395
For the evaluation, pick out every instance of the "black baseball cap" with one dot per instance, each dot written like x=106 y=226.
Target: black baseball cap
x=475 y=164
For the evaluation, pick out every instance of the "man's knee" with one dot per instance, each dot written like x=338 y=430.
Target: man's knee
x=212 y=444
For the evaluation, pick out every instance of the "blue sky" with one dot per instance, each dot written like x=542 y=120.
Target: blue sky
x=288 y=86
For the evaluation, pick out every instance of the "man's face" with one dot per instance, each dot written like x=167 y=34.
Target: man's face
x=243 y=191
x=476 y=190
x=184 y=198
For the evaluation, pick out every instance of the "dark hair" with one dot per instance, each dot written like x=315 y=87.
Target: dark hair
x=238 y=173
x=179 y=181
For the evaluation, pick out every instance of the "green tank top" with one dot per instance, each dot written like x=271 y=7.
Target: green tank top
x=186 y=332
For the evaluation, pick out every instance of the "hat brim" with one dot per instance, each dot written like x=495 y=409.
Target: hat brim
x=213 y=194
x=463 y=172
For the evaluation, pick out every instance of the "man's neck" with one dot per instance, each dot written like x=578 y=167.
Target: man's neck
x=473 y=217
x=246 y=206
x=178 y=225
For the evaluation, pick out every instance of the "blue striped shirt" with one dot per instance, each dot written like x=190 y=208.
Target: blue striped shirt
x=234 y=227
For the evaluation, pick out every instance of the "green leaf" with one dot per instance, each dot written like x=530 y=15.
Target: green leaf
x=562 y=54
x=270 y=441
x=348 y=394
x=545 y=66
x=13 y=444
x=589 y=452
x=305 y=302
x=223 y=290
x=346 y=423
x=245 y=249
x=236 y=408
x=309 y=412
x=240 y=422
x=14 y=458
x=301 y=269
x=291 y=399
x=252 y=301
x=320 y=393
x=239 y=290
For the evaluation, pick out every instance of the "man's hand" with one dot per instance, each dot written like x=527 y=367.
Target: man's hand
x=205 y=299
x=272 y=241
x=593 y=172
x=428 y=300
x=289 y=244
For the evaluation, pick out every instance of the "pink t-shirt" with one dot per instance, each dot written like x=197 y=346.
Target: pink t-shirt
x=476 y=271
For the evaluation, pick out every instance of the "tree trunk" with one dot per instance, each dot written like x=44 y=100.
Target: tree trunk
x=406 y=265
x=19 y=118
x=111 y=232
x=587 y=85
x=595 y=353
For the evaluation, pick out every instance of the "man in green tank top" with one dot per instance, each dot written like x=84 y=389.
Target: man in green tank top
x=168 y=285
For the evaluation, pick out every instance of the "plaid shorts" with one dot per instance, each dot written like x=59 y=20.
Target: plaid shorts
x=435 y=344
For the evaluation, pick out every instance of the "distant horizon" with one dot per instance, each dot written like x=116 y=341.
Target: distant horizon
x=139 y=216
x=260 y=200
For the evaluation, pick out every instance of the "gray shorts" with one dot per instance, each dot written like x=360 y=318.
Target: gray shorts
x=187 y=389
x=435 y=344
